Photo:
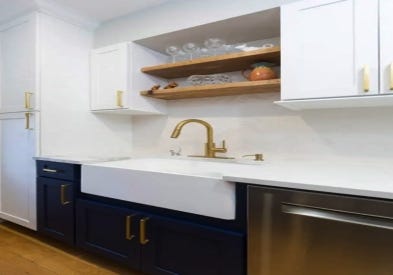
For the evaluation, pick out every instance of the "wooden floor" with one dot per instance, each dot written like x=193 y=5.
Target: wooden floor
x=23 y=251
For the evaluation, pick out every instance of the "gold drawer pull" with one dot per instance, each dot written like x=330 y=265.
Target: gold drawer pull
x=366 y=78
x=28 y=100
x=119 y=98
x=62 y=194
x=129 y=235
x=142 y=231
x=391 y=77
x=27 y=121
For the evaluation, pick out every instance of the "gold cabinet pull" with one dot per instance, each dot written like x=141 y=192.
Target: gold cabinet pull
x=391 y=77
x=28 y=100
x=62 y=194
x=27 y=121
x=366 y=78
x=142 y=231
x=119 y=98
x=129 y=235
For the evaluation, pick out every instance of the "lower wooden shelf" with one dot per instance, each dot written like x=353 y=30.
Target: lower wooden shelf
x=236 y=88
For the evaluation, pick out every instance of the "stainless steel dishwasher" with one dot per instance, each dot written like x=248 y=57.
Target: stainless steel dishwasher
x=306 y=233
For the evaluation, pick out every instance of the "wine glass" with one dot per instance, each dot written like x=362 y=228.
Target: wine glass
x=190 y=48
x=214 y=44
x=173 y=51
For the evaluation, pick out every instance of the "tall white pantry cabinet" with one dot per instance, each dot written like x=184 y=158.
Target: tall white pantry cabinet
x=19 y=119
x=44 y=76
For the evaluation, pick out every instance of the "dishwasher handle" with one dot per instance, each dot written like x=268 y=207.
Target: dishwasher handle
x=339 y=216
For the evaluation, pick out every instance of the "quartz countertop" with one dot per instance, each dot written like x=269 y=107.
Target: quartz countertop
x=351 y=176
x=370 y=178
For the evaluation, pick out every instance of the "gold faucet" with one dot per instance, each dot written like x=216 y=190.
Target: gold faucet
x=210 y=147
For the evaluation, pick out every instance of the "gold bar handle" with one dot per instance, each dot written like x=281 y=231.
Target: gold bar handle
x=142 y=231
x=129 y=235
x=62 y=194
x=27 y=121
x=366 y=78
x=391 y=77
x=28 y=100
x=119 y=98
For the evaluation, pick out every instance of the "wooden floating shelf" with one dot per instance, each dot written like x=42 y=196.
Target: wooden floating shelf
x=236 y=88
x=215 y=64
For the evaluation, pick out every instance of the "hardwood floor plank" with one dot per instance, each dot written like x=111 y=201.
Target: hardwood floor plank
x=25 y=252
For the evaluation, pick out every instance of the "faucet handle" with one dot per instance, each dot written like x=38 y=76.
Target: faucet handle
x=257 y=157
x=224 y=144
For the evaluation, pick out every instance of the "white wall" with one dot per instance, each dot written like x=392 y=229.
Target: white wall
x=176 y=15
x=249 y=123
x=67 y=125
x=253 y=124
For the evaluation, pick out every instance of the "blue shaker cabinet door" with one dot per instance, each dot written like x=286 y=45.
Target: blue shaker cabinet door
x=176 y=247
x=55 y=208
x=109 y=231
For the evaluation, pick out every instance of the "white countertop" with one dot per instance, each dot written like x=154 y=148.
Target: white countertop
x=371 y=178
x=360 y=177
x=192 y=185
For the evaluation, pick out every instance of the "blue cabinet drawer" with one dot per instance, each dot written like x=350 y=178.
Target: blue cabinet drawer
x=58 y=170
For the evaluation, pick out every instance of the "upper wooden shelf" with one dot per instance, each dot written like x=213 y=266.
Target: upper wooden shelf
x=215 y=64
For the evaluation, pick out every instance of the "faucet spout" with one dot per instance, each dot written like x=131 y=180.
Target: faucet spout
x=210 y=148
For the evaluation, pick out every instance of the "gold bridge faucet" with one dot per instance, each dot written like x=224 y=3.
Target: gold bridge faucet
x=210 y=147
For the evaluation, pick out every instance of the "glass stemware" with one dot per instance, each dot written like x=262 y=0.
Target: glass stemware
x=173 y=51
x=214 y=44
x=190 y=48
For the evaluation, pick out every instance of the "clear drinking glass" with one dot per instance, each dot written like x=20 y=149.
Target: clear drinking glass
x=214 y=44
x=191 y=48
x=173 y=51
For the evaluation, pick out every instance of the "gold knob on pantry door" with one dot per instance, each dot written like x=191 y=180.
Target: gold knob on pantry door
x=28 y=100
x=366 y=78
x=27 y=121
x=119 y=98
x=391 y=77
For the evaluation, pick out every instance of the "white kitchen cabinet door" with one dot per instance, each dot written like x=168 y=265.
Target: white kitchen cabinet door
x=386 y=46
x=17 y=174
x=117 y=80
x=109 y=77
x=329 y=48
x=18 y=65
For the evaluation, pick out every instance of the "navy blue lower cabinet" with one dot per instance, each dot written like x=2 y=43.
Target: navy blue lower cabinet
x=55 y=208
x=57 y=185
x=109 y=231
x=176 y=247
x=156 y=244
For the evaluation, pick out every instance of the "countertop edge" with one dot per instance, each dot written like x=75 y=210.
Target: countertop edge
x=311 y=187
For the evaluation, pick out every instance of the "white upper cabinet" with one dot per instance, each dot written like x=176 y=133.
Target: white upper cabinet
x=17 y=173
x=18 y=65
x=116 y=79
x=329 y=48
x=386 y=46
x=109 y=77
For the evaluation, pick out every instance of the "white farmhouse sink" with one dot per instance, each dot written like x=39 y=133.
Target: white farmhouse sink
x=191 y=186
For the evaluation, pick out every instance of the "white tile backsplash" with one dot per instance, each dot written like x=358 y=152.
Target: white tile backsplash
x=253 y=123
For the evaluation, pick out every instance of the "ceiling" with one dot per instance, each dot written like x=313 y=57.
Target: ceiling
x=97 y=10
x=103 y=10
